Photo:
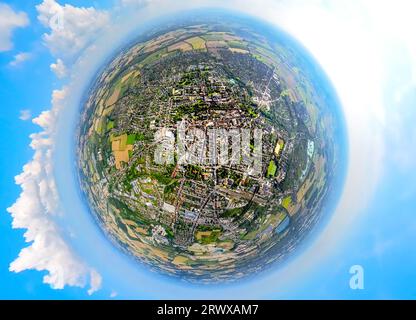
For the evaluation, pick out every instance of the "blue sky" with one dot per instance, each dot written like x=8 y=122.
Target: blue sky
x=374 y=225
x=19 y=90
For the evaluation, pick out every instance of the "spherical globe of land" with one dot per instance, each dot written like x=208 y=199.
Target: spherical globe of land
x=209 y=148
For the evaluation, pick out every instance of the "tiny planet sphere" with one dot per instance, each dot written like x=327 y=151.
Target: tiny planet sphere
x=210 y=147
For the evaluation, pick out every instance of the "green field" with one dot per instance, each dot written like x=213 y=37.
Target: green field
x=131 y=138
x=286 y=202
x=271 y=171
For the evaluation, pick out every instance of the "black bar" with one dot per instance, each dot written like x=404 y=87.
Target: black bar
x=221 y=309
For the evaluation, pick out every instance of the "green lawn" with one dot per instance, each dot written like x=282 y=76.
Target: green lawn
x=271 y=171
x=110 y=125
x=131 y=138
x=286 y=202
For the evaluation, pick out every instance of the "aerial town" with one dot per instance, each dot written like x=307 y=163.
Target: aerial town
x=203 y=153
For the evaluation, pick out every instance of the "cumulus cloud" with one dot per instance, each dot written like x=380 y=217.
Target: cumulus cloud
x=59 y=69
x=25 y=114
x=19 y=58
x=10 y=20
x=95 y=282
x=72 y=29
x=37 y=210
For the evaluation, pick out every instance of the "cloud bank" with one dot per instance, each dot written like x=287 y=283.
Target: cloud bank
x=37 y=209
x=71 y=29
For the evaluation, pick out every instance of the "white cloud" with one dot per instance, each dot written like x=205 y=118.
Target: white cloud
x=37 y=210
x=59 y=69
x=10 y=20
x=19 y=58
x=25 y=114
x=95 y=282
x=72 y=29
